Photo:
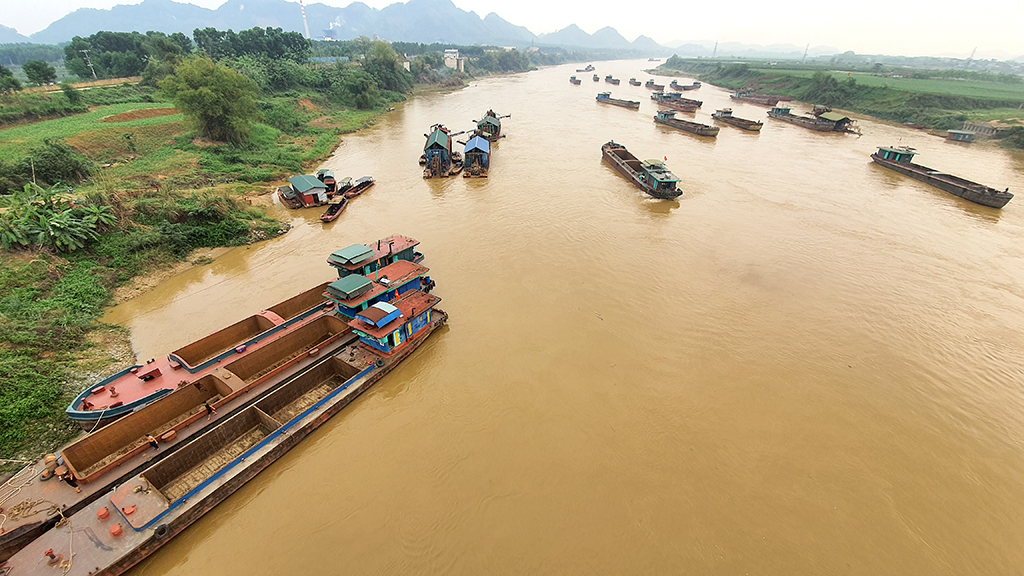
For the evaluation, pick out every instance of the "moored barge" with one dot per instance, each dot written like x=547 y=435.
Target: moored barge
x=359 y=186
x=651 y=85
x=755 y=98
x=438 y=157
x=334 y=210
x=898 y=158
x=609 y=79
x=142 y=514
x=634 y=82
x=651 y=176
x=668 y=118
x=606 y=98
x=725 y=115
x=575 y=81
x=824 y=122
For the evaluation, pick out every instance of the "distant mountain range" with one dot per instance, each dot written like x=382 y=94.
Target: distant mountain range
x=425 y=21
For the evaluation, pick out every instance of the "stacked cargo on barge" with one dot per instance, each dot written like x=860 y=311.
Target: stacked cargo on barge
x=898 y=159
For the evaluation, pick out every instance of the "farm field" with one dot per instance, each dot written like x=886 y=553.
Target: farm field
x=966 y=88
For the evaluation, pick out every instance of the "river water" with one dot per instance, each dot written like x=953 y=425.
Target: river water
x=807 y=364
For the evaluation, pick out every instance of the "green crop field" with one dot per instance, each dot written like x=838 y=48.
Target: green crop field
x=966 y=88
x=14 y=142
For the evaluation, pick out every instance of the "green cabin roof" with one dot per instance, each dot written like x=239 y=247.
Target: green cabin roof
x=489 y=120
x=350 y=286
x=304 y=183
x=437 y=139
x=351 y=255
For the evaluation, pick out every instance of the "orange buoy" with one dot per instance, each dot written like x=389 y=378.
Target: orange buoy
x=103 y=513
x=115 y=530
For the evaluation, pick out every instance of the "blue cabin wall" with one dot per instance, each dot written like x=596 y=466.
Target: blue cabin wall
x=397 y=337
x=391 y=294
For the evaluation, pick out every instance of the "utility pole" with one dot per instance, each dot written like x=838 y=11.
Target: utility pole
x=89 y=63
x=805 y=53
x=715 y=51
x=304 y=23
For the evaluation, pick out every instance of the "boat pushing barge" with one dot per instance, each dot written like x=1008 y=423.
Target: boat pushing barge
x=651 y=176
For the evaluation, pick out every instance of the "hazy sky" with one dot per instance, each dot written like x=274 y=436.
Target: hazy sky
x=943 y=27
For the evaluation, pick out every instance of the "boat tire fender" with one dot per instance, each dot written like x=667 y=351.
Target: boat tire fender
x=379 y=363
x=162 y=531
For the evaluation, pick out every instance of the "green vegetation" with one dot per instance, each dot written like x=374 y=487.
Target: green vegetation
x=8 y=83
x=220 y=102
x=937 y=99
x=39 y=73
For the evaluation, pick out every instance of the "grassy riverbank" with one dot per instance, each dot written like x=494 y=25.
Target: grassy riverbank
x=172 y=192
x=938 y=103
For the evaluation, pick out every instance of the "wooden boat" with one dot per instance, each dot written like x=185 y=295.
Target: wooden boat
x=477 y=158
x=359 y=186
x=596 y=78
x=606 y=98
x=610 y=80
x=898 y=158
x=327 y=177
x=438 y=157
x=334 y=210
x=652 y=86
x=825 y=122
x=725 y=115
x=634 y=82
x=303 y=191
x=138 y=516
x=755 y=98
x=668 y=118
x=651 y=176
x=575 y=81
x=342 y=185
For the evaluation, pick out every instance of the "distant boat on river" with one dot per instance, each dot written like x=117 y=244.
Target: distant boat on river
x=898 y=158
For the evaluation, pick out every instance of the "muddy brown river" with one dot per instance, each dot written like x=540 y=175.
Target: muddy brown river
x=808 y=364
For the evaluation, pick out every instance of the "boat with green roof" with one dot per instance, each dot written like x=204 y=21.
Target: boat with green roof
x=651 y=176
x=898 y=159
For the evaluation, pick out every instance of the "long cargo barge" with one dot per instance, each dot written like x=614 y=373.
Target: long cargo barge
x=668 y=118
x=34 y=504
x=136 y=386
x=140 y=515
x=606 y=98
x=898 y=158
x=651 y=176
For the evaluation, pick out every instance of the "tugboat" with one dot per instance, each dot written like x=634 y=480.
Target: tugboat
x=334 y=210
x=650 y=85
x=609 y=79
x=575 y=81
x=438 y=158
x=898 y=158
x=606 y=98
x=477 y=157
x=634 y=82
x=164 y=491
x=359 y=186
x=596 y=78
x=725 y=115
x=651 y=176
x=303 y=191
x=668 y=118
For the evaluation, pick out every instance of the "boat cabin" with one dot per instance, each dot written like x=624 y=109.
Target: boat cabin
x=327 y=177
x=666 y=115
x=896 y=154
x=438 y=150
x=960 y=136
x=489 y=126
x=478 y=151
x=841 y=122
x=305 y=189
x=604 y=96
x=386 y=327
x=781 y=111
x=657 y=176
x=355 y=292
x=366 y=259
